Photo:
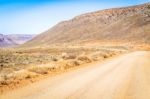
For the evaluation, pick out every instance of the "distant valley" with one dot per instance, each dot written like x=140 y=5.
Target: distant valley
x=13 y=40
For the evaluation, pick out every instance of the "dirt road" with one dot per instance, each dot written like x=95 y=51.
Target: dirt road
x=124 y=77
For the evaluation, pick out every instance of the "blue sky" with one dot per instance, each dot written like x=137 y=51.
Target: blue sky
x=37 y=16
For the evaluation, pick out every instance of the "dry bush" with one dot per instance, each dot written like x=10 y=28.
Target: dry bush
x=39 y=70
x=22 y=64
x=73 y=63
x=23 y=74
x=6 y=79
x=97 y=56
x=61 y=64
x=100 y=55
x=84 y=58
x=65 y=64
x=106 y=55
x=54 y=58
x=68 y=56
x=3 y=80
x=42 y=69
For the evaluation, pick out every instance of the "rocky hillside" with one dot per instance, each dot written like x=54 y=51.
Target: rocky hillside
x=117 y=24
x=14 y=39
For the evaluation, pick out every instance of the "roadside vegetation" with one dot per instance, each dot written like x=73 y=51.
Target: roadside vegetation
x=20 y=64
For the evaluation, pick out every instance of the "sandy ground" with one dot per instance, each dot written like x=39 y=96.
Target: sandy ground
x=124 y=77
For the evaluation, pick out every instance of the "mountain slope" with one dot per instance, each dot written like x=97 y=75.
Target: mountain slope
x=6 y=41
x=20 y=38
x=118 y=24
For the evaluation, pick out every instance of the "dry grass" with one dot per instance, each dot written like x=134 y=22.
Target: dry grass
x=42 y=69
x=84 y=58
x=19 y=64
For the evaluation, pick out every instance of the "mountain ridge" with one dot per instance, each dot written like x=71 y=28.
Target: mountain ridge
x=6 y=41
x=98 y=26
x=13 y=40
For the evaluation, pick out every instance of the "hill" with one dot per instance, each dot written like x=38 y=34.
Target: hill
x=6 y=42
x=14 y=39
x=21 y=38
x=117 y=24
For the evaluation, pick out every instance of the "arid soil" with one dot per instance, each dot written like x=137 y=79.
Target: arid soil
x=22 y=66
x=123 y=77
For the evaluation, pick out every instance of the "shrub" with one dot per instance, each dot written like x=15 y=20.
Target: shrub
x=22 y=74
x=68 y=56
x=39 y=69
x=4 y=80
x=73 y=63
x=105 y=55
x=64 y=64
x=97 y=56
x=54 y=59
x=84 y=59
